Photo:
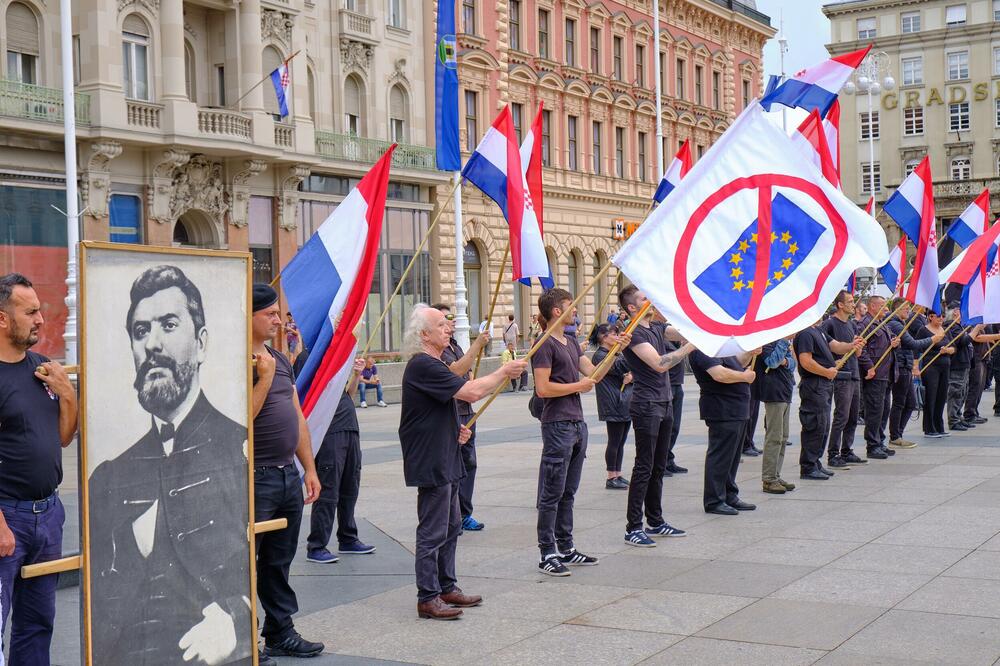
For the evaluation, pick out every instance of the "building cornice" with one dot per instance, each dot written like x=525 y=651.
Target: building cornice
x=861 y=6
x=926 y=39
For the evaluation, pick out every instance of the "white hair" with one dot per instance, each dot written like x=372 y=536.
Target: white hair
x=413 y=343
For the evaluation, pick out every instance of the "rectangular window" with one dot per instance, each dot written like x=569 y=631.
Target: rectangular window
x=595 y=50
x=125 y=211
x=954 y=15
x=469 y=17
x=543 y=33
x=471 y=119
x=663 y=72
x=913 y=121
x=22 y=67
x=869 y=125
x=396 y=13
x=514 y=12
x=517 y=115
x=618 y=46
x=640 y=66
x=220 y=85
x=746 y=93
x=620 y=152
x=996 y=10
x=913 y=70
x=866 y=28
x=958 y=65
x=867 y=170
x=961 y=169
x=701 y=151
x=642 y=156
x=716 y=90
x=997 y=111
x=76 y=60
x=570 y=45
x=958 y=116
x=597 y=148
x=546 y=138
x=135 y=71
x=571 y=147
x=681 y=65
x=996 y=61
x=699 y=85
x=909 y=22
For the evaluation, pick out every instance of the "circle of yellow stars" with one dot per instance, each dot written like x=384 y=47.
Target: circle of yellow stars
x=736 y=258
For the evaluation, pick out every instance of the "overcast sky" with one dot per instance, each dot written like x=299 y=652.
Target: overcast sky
x=807 y=30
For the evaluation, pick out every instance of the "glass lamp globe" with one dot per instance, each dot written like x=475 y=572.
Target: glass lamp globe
x=875 y=88
x=850 y=88
x=863 y=83
x=889 y=83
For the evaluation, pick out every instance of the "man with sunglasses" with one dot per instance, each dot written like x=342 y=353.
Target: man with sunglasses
x=460 y=363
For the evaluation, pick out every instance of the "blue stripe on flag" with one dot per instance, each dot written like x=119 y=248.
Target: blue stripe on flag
x=795 y=93
x=487 y=177
x=890 y=276
x=311 y=306
x=903 y=214
x=662 y=190
x=279 y=92
x=961 y=233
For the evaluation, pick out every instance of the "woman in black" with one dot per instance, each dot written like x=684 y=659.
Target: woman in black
x=614 y=393
x=935 y=377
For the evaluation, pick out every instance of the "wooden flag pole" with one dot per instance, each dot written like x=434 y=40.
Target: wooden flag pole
x=552 y=326
x=597 y=314
x=898 y=337
x=928 y=350
x=920 y=371
x=874 y=319
x=493 y=303
x=618 y=345
x=990 y=350
x=236 y=104
x=843 y=359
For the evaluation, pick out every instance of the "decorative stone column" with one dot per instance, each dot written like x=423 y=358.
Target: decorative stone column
x=237 y=232
x=95 y=189
x=172 y=49
x=159 y=192
x=251 y=58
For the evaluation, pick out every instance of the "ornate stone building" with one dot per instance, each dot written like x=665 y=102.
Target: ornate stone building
x=591 y=65
x=180 y=141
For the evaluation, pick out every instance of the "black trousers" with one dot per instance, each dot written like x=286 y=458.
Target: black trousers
x=652 y=422
x=876 y=395
x=438 y=525
x=935 y=379
x=614 y=453
x=751 y=426
x=722 y=461
x=468 y=485
x=815 y=397
x=564 y=448
x=277 y=493
x=977 y=380
x=995 y=371
x=675 y=428
x=904 y=401
x=338 y=465
x=846 y=403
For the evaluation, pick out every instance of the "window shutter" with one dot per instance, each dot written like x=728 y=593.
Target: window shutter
x=22 y=29
x=397 y=104
x=352 y=95
x=134 y=24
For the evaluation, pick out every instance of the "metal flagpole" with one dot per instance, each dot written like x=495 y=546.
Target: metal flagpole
x=659 y=92
x=461 y=303
x=782 y=48
x=69 y=149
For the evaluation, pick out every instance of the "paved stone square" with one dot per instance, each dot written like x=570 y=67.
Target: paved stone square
x=896 y=562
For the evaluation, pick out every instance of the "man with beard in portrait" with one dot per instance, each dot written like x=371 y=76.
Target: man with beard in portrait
x=169 y=573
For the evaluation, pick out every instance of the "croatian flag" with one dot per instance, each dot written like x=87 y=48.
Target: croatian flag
x=816 y=87
x=678 y=168
x=531 y=164
x=495 y=168
x=327 y=285
x=969 y=269
x=912 y=207
x=811 y=139
x=991 y=309
x=280 y=78
x=968 y=226
x=831 y=127
x=893 y=269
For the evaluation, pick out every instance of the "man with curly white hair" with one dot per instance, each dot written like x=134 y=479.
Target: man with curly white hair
x=431 y=436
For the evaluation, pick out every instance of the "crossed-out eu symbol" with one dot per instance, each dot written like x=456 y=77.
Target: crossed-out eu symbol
x=767 y=251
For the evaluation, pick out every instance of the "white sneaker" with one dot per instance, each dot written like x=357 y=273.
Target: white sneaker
x=364 y=405
x=381 y=403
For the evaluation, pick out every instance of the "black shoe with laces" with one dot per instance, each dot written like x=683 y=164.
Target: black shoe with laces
x=553 y=567
x=293 y=645
x=836 y=462
x=854 y=459
x=264 y=660
x=575 y=558
x=676 y=469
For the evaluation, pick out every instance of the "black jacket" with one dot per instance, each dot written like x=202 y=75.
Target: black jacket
x=774 y=384
x=612 y=402
x=909 y=346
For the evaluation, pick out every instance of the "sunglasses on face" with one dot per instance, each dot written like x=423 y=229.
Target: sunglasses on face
x=449 y=317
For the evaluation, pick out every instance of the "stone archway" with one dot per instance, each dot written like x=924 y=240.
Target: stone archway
x=196 y=228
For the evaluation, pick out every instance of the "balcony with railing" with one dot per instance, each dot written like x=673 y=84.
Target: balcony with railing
x=224 y=124
x=357 y=26
x=31 y=102
x=144 y=115
x=284 y=135
x=367 y=151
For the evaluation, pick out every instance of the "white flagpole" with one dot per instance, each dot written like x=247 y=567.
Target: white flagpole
x=461 y=302
x=69 y=149
x=659 y=92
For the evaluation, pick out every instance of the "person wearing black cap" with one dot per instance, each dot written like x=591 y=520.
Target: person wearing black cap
x=904 y=398
x=280 y=436
x=875 y=388
x=958 y=374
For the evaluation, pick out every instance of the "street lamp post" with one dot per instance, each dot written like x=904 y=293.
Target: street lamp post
x=871 y=77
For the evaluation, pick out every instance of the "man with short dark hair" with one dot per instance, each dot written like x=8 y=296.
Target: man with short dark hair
x=958 y=375
x=38 y=415
x=876 y=380
x=846 y=388
x=904 y=398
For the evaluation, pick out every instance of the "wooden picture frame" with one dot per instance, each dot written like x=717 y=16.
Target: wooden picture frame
x=130 y=517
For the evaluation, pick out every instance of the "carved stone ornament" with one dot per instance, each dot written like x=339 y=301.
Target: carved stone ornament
x=240 y=198
x=198 y=184
x=153 y=6
x=355 y=54
x=398 y=74
x=158 y=193
x=276 y=25
x=288 y=202
x=95 y=182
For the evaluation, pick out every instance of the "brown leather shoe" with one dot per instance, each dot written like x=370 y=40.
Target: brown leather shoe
x=458 y=598
x=435 y=609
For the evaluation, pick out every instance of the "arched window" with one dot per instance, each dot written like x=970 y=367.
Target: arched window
x=135 y=57
x=399 y=112
x=473 y=269
x=354 y=102
x=909 y=167
x=573 y=275
x=190 y=75
x=22 y=44
x=961 y=168
x=272 y=60
x=312 y=93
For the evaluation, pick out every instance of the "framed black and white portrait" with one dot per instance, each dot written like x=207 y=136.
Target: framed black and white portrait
x=165 y=469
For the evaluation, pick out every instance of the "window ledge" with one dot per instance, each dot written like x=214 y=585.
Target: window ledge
x=396 y=31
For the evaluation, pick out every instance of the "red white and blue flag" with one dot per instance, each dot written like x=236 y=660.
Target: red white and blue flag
x=531 y=164
x=327 y=285
x=678 y=168
x=969 y=269
x=831 y=127
x=495 y=168
x=816 y=87
x=755 y=244
x=991 y=309
x=911 y=206
x=968 y=226
x=280 y=79
x=892 y=271
x=812 y=140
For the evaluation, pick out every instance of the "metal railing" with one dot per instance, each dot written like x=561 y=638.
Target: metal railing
x=143 y=114
x=225 y=123
x=31 y=102
x=740 y=8
x=360 y=149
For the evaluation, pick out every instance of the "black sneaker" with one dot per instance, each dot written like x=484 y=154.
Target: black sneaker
x=676 y=469
x=751 y=452
x=957 y=426
x=853 y=459
x=614 y=484
x=968 y=425
x=887 y=451
x=264 y=660
x=575 y=558
x=553 y=567
x=837 y=462
x=293 y=645
x=877 y=454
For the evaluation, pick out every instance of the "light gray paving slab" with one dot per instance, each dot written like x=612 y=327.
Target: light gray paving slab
x=864 y=588
x=957 y=596
x=955 y=533
x=664 y=611
x=747 y=579
x=808 y=552
x=695 y=651
x=941 y=639
x=977 y=564
x=881 y=511
x=900 y=559
x=626 y=569
x=926 y=497
x=826 y=529
x=576 y=644
x=554 y=601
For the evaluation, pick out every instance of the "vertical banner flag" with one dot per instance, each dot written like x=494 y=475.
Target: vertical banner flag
x=327 y=285
x=911 y=206
x=280 y=78
x=678 y=168
x=968 y=226
x=816 y=87
x=531 y=164
x=766 y=242
x=449 y=156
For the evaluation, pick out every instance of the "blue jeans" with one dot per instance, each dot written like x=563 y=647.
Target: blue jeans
x=378 y=391
x=31 y=602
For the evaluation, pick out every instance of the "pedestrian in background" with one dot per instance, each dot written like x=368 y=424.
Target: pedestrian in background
x=614 y=394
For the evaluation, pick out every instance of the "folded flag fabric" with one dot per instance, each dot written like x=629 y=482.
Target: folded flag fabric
x=816 y=87
x=678 y=168
x=968 y=226
x=280 y=79
x=811 y=139
x=831 y=125
x=531 y=164
x=892 y=271
x=911 y=206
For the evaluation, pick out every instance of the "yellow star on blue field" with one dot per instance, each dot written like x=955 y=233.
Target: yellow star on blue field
x=786 y=263
x=785 y=237
x=736 y=272
x=779 y=275
x=744 y=246
x=735 y=258
x=793 y=248
x=738 y=286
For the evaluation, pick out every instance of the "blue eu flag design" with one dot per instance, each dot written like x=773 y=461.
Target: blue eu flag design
x=729 y=281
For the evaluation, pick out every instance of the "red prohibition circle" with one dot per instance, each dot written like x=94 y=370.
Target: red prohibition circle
x=699 y=217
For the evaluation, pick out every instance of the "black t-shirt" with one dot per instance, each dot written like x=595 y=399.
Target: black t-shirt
x=962 y=358
x=345 y=419
x=276 y=428
x=428 y=423
x=718 y=401
x=30 y=445
x=676 y=373
x=814 y=341
x=564 y=362
x=842 y=331
x=452 y=353
x=650 y=385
